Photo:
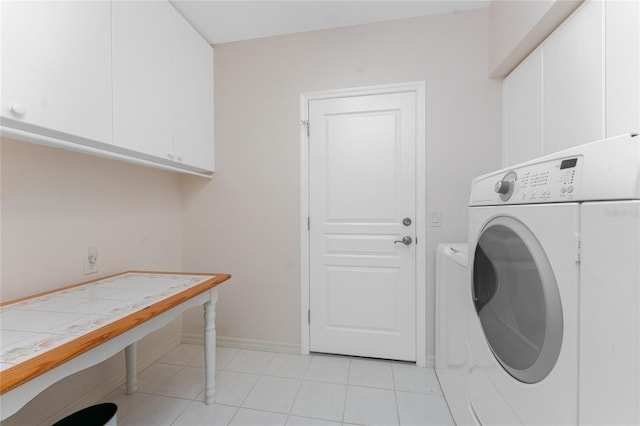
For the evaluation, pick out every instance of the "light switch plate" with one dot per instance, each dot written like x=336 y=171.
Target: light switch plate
x=435 y=218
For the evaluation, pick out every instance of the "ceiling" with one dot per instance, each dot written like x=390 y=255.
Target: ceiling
x=225 y=21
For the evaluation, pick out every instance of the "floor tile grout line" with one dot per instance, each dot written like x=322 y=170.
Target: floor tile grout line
x=181 y=412
x=234 y=415
x=231 y=360
x=395 y=395
x=257 y=373
x=170 y=377
x=131 y=410
x=346 y=392
x=241 y=402
x=289 y=377
x=299 y=387
x=168 y=396
x=250 y=390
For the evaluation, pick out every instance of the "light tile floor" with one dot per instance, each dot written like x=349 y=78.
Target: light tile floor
x=263 y=388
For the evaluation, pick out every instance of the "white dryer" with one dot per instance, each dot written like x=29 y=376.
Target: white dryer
x=547 y=241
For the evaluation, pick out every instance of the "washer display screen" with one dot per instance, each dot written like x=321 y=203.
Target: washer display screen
x=567 y=164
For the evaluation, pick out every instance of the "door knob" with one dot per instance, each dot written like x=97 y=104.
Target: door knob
x=405 y=240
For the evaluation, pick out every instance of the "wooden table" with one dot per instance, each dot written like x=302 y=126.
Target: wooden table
x=49 y=336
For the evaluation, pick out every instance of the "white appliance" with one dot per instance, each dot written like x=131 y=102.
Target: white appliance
x=452 y=319
x=554 y=335
x=452 y=295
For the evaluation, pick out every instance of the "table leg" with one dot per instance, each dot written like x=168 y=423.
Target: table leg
x=130 y=355
x=210 y=347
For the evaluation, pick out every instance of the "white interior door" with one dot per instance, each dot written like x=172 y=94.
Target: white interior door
x=362 y=181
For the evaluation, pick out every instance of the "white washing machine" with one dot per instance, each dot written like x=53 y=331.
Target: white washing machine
x=554 y=258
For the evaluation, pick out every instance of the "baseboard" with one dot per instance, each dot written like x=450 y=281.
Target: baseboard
x=430 y=361
x=107 y=387
x=240 y=343
x=265 y=345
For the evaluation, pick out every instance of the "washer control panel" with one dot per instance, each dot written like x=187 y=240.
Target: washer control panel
x=607 y=169
x=545 y=182
x=556 y=181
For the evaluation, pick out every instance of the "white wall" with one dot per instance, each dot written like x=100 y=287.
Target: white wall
x=246 y=220
x=55 y=204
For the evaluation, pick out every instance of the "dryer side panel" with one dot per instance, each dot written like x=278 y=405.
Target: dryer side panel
x=610 y=313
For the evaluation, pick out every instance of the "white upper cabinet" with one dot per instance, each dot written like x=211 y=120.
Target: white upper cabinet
x=192 y=96
x=622 y=67
x=162 y=85
x=129 y=80
x=142 y=92
x=522 y=111
x=574 y=80
x=589 y=83
x=56 y=68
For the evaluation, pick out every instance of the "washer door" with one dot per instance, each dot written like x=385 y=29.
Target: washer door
x=517 y=299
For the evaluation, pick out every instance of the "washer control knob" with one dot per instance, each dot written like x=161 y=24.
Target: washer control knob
x=502 y=186
x=506 y=186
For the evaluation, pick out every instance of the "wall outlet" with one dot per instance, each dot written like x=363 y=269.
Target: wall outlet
x=91 y=261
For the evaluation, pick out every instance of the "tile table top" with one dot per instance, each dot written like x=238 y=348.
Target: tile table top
x=31 y=327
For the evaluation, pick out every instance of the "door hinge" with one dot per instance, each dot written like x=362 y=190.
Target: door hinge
x=309 y=316
x=578 y=248
x=306 y=124
x=308 y=223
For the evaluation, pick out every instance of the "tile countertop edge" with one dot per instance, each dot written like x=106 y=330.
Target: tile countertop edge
x=106 y=277
x=21 y=373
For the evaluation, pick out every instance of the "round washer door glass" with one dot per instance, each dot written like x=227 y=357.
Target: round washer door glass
x=517 y=299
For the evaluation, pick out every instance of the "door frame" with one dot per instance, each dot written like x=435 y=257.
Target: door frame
x=419 y=88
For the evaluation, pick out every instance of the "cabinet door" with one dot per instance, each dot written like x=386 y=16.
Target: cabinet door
x=56 y=67
x=142 y=95
x=622 y=29
x=573 y=93
x=522 y=111
x=192 y=96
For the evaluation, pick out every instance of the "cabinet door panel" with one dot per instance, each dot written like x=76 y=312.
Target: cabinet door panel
x=623 y=67
x=522 y=111
x=192 y=96
x=56 y=67
x=142 y=94
x=573 y=94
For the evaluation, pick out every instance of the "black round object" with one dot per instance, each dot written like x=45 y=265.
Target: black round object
x=96 y=415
